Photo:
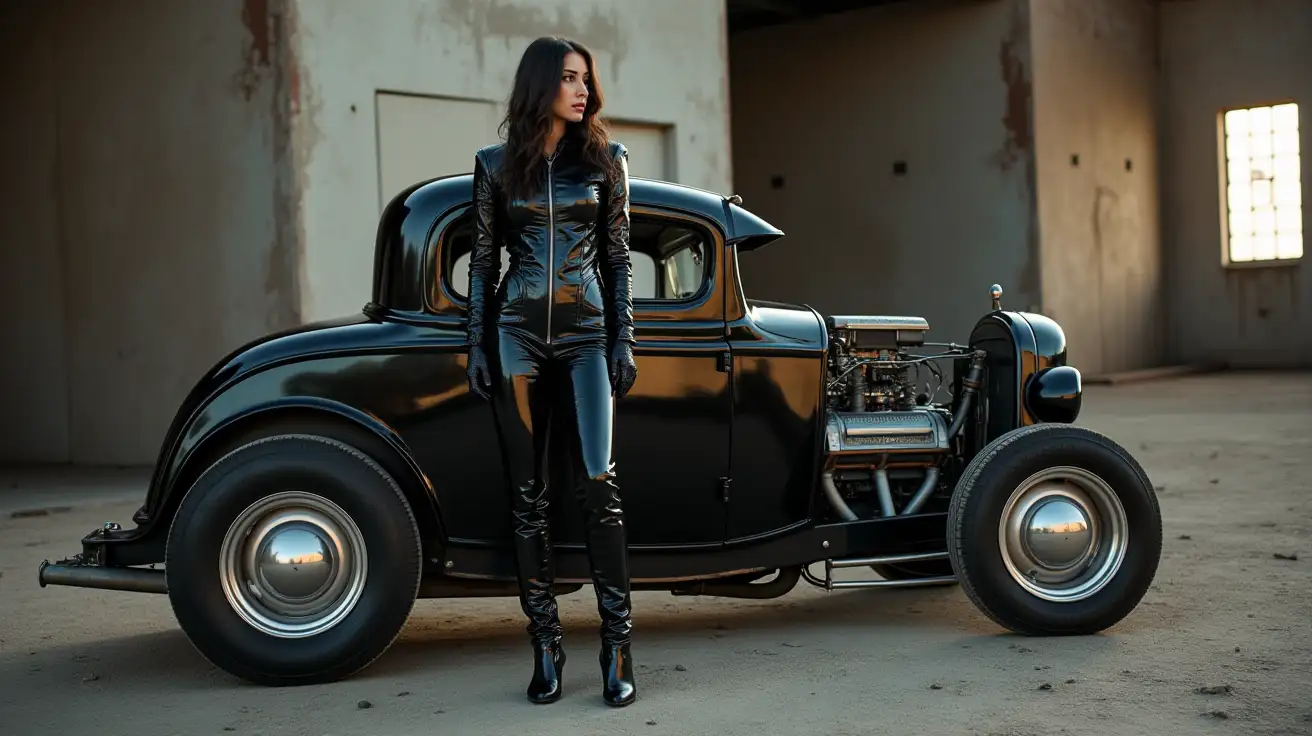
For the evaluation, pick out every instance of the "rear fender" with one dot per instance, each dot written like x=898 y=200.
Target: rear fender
x=287 y=415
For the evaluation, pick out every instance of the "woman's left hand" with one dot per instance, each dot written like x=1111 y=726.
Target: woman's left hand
x=623 y=369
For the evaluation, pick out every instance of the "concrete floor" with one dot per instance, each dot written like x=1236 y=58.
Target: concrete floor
x=1230 y=454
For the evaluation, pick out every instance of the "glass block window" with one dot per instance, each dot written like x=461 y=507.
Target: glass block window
x=1264 y=200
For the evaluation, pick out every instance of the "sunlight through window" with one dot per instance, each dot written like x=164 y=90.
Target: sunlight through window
x=1264 y=196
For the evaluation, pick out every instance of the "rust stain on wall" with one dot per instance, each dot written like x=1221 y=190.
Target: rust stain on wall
x=255 y=50
x=283 y=271
x=1016 y=118
x=255 y=16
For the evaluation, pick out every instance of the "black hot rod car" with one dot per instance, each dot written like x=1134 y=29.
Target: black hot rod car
x=317 y=481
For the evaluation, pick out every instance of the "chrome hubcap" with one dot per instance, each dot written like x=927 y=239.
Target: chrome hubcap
x=1063 y=534
x=293 y=564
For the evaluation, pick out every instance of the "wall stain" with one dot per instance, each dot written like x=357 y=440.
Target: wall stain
x=1106 y=204
x=1017 y=118
x=1017 y=147
x=255 y=50
x=485 y=19
x=283 y=271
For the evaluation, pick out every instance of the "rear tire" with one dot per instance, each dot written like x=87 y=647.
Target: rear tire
x=294 y=559
x=1054 y=529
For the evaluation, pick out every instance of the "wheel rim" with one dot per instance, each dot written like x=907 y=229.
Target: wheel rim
x=293 y=564
x=1063 y=534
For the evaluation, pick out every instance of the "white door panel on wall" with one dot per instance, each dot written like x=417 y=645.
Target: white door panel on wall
x=421 y=138
x=646 y=144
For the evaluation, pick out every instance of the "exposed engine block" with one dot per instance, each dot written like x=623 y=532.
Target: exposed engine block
x=886 y=436
x=867 y=370
x=923 y=430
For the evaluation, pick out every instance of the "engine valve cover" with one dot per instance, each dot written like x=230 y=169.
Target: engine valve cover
x=886 y=431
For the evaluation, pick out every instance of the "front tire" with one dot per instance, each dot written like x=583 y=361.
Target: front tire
x=1054 y=529
x=294 y=559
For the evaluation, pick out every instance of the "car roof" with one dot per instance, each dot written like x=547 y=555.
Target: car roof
x=409 y=222
x=433 y=198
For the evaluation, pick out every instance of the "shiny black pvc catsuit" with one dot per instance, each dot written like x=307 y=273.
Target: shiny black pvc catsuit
x=562 y=323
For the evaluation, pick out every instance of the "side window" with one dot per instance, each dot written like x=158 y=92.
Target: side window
x=681 y=263
x=669 y=259
x=643 y=274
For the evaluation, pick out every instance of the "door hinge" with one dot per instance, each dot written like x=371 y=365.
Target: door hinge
x=724 y=488
x=725 y=362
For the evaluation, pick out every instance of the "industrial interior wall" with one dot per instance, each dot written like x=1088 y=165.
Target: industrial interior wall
x=1095 y=123
x=661 y=63
x=1219 y=55
x=34 y=371
x=893 y=147
x=137 y=235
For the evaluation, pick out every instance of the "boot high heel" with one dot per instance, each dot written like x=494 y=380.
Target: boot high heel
x=548 y=664
x=618 y=688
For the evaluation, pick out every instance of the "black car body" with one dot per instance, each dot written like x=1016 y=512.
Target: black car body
x=760 y=438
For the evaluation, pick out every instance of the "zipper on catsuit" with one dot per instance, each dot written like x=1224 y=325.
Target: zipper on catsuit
x=551 y=242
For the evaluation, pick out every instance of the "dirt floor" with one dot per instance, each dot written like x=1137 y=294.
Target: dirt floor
x=1231 y=610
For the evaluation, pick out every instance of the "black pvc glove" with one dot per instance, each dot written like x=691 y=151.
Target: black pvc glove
x=480 y=376
x=623 y=369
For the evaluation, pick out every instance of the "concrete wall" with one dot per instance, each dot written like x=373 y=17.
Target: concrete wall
x=1095 y=93
x=830 y=105
x=138 y=233
x=34 y=369
x=658 y=63
x=1219 y=54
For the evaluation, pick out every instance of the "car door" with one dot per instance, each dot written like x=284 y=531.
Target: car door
x=671 y=433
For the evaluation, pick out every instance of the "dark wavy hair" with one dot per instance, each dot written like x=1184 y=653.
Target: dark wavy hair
x=529 y=118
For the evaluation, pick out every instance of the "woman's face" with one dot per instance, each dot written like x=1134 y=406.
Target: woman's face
x=572 y=98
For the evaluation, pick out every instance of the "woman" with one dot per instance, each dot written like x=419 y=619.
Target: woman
x=555 y=196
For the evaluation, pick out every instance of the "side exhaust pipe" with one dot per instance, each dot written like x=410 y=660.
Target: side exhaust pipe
x=781 y=585
x=132 y=579
x=828 y=582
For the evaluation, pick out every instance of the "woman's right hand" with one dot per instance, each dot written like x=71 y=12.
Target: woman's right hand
x=480 y=376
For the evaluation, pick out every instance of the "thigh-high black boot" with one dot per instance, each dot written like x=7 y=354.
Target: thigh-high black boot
x=522 y=401
x=592 y=412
